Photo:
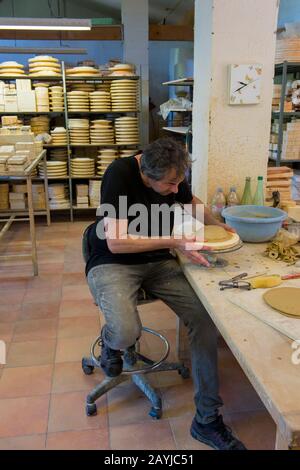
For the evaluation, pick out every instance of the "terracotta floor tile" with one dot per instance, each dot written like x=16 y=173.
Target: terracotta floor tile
x=35 y=330
x=31 y=353
x=181 y=431
x=69 y=377
x=73 y=349
x=10 y=313
x=46 y=268
x=12 y=296
x=127 y=405
x=39 y=295
x=235 y=389
x=72 y=267
x=154 y=435
x=77 y=326
x=96 y=439
x=6 y=331
x=26 y=381
x=23 y=416
x=78 y=308
x=45 y=281
x=256 y=429
x=71 y=279
x=35 y=442
x=178 y=399
x=39 y=310
x=78 y=292
x=67 y=413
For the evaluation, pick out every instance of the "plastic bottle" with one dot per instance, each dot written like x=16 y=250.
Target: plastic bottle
x=247 y=196
x=259 y=199
x=218 y=204
x=232 y=198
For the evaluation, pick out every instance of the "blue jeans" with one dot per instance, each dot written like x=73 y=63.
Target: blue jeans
x=115 y=287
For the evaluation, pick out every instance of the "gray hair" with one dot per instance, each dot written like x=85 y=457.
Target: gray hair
x=161 y=156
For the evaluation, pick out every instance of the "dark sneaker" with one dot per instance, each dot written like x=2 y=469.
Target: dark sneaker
x=216 y=434
x=110 y=360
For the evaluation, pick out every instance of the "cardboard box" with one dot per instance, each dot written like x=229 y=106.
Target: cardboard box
x=23 y=85
x=26 y=101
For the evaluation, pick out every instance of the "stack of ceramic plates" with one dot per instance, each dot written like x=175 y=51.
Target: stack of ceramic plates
x=11 y=69
x=83 y=71
x=59 y=136
x=124 y=95
x=58 y=196
x=81 y=86
x=40 y=84
x=79 y=131
x=44 y=66
x=127 y=153
x=40 y=125
x=126 y=131
x=42 y=99
x=56 y=96
x=105 y=158
x=55 y=169
x=94 y=192
x=59 y=154
x=100 y=101
x=122 y=70
x=82 y=167
x=102 y=132
x=78 y=101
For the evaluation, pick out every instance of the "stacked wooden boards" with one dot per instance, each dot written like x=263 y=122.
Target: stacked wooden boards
x=279 y=179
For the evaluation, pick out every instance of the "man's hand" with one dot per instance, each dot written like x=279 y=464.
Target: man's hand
x=189 y=247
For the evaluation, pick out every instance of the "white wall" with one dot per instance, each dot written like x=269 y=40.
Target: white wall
x=237 y=31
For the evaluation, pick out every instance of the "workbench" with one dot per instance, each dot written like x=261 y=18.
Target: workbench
x=7 y=217
x=264 y=353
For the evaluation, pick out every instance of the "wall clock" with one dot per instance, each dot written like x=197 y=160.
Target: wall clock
x=244 y=83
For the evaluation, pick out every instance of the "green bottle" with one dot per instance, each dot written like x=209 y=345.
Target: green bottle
x=247 y=197
x=259 y=199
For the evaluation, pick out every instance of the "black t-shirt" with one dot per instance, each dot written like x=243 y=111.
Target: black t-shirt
x=122 y=178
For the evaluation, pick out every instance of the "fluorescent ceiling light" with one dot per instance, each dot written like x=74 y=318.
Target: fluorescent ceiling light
x=42 y=50
x=48 y=24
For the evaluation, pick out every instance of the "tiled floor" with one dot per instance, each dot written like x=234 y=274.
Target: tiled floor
x=48 y=323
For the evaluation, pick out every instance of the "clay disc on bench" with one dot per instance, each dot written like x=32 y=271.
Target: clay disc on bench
x=214 y=233
x=284 y=299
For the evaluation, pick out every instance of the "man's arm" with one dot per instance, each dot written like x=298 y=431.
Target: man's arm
x=119 y=241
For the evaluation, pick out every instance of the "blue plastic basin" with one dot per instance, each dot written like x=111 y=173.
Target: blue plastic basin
x=254 y=223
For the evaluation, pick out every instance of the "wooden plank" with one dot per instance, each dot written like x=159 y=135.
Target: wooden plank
x=163 y=32
x=104 y=33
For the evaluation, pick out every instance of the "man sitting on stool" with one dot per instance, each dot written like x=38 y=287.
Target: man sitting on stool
x=121 y=263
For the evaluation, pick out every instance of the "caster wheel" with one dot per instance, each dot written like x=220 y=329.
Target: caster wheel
x=155 y=413
x=87 y=369
x=91 y=409
x=184 y=372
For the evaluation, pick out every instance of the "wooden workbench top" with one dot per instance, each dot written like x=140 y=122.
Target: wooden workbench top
x=264 y=354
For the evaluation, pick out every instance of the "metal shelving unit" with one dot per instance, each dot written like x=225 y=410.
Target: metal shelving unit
x=284 y=69
x=65 y=79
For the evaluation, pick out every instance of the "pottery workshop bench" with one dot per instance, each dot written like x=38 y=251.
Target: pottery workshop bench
x=264 y=353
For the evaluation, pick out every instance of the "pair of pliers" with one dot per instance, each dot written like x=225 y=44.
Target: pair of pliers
x=235 y=282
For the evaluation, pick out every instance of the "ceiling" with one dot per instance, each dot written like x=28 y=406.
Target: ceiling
x=174 y=11
x=168 y=11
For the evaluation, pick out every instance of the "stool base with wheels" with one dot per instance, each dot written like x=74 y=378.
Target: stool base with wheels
x=136 y=368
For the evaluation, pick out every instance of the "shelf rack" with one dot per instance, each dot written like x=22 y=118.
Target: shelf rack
x=65 y=79
x=283 y=69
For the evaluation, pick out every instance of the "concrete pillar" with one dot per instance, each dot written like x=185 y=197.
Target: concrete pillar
x=135 y=20
x=230 y=142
